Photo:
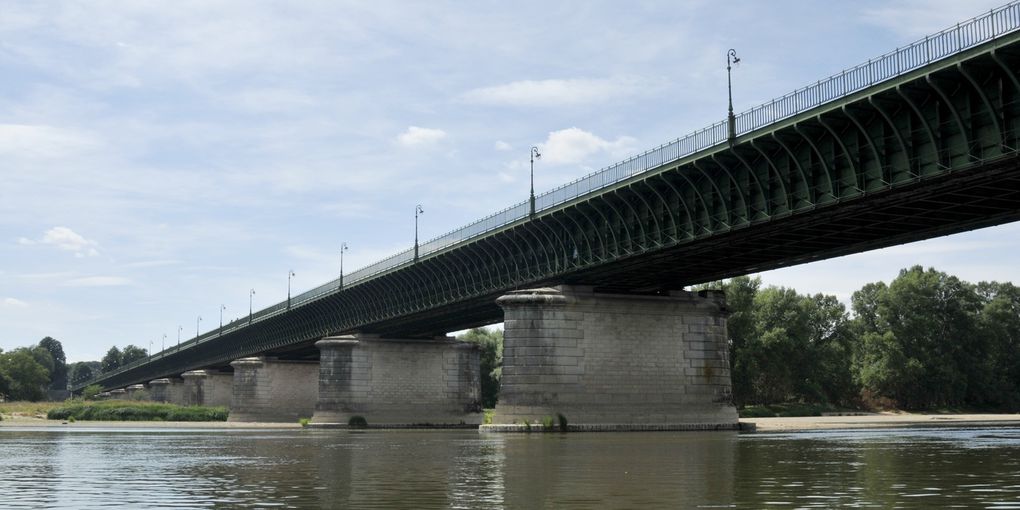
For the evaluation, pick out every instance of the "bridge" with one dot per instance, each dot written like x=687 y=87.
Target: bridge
x=917 y=143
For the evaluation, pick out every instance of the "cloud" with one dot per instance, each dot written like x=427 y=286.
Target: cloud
x=560 y=92
x=98 y=281
x=67 y=240
x=12 y=302
x=917 y=18
x=573 y=145
x=418 y=136
x=502 y=146
x=42 y=141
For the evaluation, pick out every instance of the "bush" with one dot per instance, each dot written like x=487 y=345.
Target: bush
x=90 y=391
x=563 y=422
x=130 y=411
x=357 y=422
x=304 y=421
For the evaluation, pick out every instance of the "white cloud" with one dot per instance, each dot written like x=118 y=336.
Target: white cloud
x=42 y=141
x=558 y=92
x=573 y=145
x=67 y=240
x=502 y=146
x=98 y=281
x=14 y=302
x=418 y=136
x=917 y=18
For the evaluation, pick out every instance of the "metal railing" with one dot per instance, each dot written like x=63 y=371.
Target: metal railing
x=934 y=47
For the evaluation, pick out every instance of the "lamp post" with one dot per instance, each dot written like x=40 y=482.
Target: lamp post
x=179 y=329
x=290 y=274
x=251 y=296
x=731 y=58
x=164 y=343
x=199 y=321
x=150 y=350
x=343 y=248
x=222 y=307
x=534 y=155
x=417 y=210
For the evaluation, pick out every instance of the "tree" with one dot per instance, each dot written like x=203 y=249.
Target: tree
x=27 y=378
x=113 y=360
x=491 y=363
x=920 y=342
x=58 y=377
x=132 y=353
x=80 y=372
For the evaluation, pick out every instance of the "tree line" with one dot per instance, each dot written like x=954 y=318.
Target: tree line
x=927 y=340
x=26 y=373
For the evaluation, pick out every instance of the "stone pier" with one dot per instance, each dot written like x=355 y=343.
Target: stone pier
x=118 y=394
x=206 y=388
x=271 y=390
x=169 y=390
x=136 y=392
x=615 y=362
x=398 y=382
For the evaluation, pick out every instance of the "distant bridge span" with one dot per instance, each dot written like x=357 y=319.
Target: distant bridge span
x=918 y=143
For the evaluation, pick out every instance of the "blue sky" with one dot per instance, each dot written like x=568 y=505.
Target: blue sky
x=159 y=159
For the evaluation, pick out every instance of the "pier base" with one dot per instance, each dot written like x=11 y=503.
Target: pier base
x=614 y=362
x=398 y=382
x=206 y=388
x=270 y=390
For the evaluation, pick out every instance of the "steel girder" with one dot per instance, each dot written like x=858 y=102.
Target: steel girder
x=930 y=153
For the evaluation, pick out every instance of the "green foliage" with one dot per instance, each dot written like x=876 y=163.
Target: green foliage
x=491 y=363
x=547 y=422
x=357 y=422
x=24 y=378
x=90 y=391
x=563 y=422
x=304 y=421
x=487 y=416
x=136 y=411
x=58 y=376
x=132 y=353
x=921 y=343
x=80 y=372
x=112 y=361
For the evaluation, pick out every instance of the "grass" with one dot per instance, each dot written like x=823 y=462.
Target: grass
x=31 y=409
x=487 y=416
x=120 y=410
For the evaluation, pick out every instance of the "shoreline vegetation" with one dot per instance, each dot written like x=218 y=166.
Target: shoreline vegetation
x=111 y=410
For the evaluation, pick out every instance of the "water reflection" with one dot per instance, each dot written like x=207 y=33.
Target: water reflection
x=98 y=468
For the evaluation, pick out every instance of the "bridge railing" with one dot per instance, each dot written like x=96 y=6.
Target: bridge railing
x=934 y=47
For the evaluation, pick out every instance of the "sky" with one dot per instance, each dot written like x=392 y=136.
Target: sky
x=160 y=159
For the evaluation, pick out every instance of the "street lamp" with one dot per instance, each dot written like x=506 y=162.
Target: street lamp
x=290 y=274
x=417 y=210
x=251 y=296
x=199 y=321
x=163 y=349
x=222 y=307
x=343 y=248
x=179 y=329
x=150 y=349
x=731 y=58
x=534 y=155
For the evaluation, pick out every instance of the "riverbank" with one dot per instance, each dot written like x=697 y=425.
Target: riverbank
x=762 y=425
x=882 y=420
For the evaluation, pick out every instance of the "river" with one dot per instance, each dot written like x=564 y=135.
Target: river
x=199 y=468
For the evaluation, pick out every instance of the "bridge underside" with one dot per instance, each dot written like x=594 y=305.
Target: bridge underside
x=931 y=153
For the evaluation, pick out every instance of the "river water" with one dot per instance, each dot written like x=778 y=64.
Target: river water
x=117 y=468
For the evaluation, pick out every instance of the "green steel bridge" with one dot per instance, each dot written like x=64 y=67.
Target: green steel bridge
x=917 y=143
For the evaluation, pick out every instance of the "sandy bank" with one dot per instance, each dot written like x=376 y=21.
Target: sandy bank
x=763 y=425
x=883 y=420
